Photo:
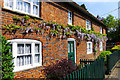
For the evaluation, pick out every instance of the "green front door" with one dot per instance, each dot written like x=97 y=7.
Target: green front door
x=71 y=51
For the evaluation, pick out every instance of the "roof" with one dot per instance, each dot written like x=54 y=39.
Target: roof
x=75 y=5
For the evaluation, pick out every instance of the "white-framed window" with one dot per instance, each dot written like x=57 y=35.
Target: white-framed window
x=30 y=7
x=101 y=31
x=70 y=17
x=101 y=46
x=89 y=47
x=27 y=53
x=88 y=25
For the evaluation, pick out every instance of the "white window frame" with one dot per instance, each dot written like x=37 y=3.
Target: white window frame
x=101 y=46
x=14 y=43
x=101 y=31
x=70 y=20
x=89 y=51
x=31 y=7
x=88 y=25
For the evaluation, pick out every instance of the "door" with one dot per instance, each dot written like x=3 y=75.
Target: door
x=71 y=51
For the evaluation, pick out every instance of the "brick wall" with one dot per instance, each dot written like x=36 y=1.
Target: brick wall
x=53 y=49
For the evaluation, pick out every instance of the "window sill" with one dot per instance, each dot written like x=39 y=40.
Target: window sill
x=20 y=13
x=89 y=52
x=23 y=68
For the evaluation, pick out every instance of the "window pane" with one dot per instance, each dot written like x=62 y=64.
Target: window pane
x=35 y=10
x=89 y=45
x=71 y=47
x=68 y=47
x=28 y=48
x=20 y=48
x=19 y=5
x=20 y=60
x=37 y=58
x=28 y=60
x=27 y=7
x=9 y=3
x=36 y=48
x=69 y=17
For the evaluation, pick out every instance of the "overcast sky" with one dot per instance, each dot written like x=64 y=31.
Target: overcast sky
x=101 y=7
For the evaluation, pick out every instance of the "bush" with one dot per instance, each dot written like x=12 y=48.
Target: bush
x=117 y=47
x=104 y=54
x=7 y=65
x=59 y=69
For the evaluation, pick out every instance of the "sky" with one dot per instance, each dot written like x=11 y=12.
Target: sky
x=103 y=8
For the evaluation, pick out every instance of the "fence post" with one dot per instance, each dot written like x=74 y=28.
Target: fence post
x=108 y=67
x=103 y=64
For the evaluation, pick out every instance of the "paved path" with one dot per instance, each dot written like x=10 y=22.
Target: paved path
x=115 y=74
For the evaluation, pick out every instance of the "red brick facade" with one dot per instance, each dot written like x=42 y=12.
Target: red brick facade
x=55 y=48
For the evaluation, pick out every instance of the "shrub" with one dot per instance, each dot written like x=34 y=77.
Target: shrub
x=104 y=54
x=117 y=47
x=7 y=65
x=59 y=69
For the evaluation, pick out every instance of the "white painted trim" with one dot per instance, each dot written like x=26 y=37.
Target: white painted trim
x=89 y=28
x=101 y=30
x=70 y=21
x=101 y=46
x=14 y=43
x=19 y=11
x=72 y=39
x=89 y=52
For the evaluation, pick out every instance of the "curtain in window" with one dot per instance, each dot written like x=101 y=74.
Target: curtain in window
x=20 y=61
x=36 y=48
x=19 y=5
x=20 y=48
x=35 y=10
x=28 y=48
x=27 y=7
x=37 y=57
x=9 y=3
x=28 y=59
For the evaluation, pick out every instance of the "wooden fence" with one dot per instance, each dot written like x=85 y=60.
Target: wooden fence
x=112 y=60
x=93 y=71
x=83 y=62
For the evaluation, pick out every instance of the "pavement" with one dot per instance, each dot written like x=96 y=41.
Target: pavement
x=115 y=73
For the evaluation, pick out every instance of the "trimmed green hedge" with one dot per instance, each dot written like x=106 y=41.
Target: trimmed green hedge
x=104 y=54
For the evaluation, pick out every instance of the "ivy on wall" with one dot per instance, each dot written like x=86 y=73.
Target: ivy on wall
x=7 y=64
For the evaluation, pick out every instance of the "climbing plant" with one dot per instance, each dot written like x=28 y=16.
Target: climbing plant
x=7 y=65
x=61 y=31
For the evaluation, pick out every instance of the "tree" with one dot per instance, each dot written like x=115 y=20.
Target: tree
x=112 y=28
x=110 y=21
x=7 y=65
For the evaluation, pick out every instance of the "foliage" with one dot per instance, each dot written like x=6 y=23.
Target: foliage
x=117 y=47
x=104 y=54
x=16 y=18
x=61 y=30
x=26 y=17
x=7 y=65
x=59 y=69
x=110 y=21
x=113 y=28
